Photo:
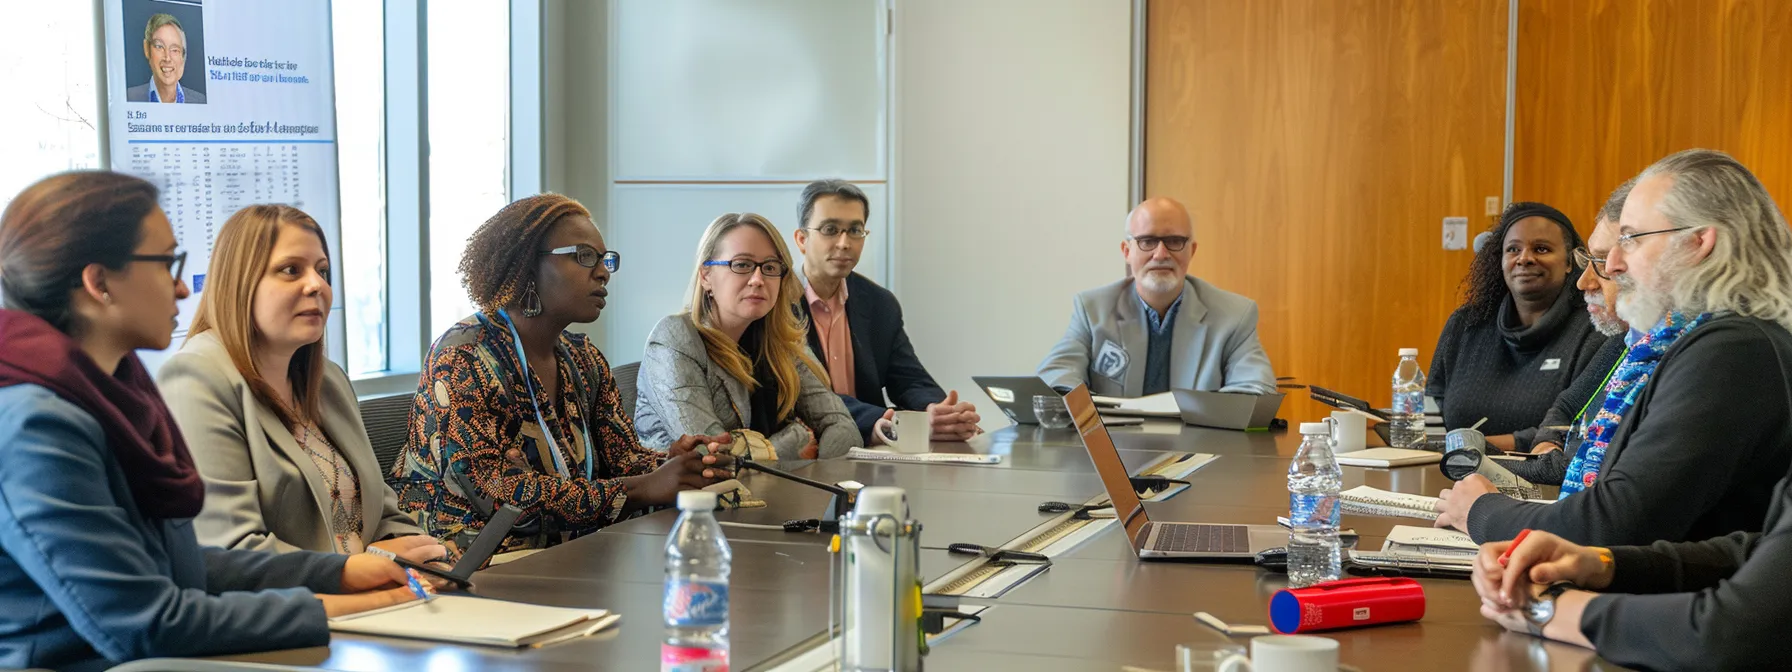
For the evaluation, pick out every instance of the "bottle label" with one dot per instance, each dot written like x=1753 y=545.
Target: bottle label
x=692 y=659
x=696 y=603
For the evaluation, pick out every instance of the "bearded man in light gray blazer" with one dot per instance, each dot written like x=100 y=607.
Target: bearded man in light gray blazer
x=1160 y=328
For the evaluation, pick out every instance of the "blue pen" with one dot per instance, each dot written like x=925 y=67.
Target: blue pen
x=410 y=576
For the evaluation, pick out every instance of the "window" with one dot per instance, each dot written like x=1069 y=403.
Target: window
x=51 y=110
x=469 y=143
x=359 y=42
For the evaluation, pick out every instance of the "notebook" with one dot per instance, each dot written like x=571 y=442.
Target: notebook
x=1364 y=500
x=465 y=619
x=1160 y=405
x=922 y=458
x=1429 y=541
x=1388 y=457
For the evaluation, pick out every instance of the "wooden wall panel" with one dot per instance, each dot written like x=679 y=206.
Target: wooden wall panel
x=1319 y=144
x=1606 y=87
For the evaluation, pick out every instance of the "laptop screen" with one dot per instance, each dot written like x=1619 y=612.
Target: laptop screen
x=1107 y=461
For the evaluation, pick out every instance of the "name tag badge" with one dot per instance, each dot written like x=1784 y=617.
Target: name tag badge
x=1111 y=360
x=1551 y=364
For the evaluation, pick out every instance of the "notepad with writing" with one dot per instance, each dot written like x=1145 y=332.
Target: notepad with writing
x=922 y=458
x=1364 y=500
x=1430 y=541
x=1160 y=405
x=465 y=619
x=1388 y=457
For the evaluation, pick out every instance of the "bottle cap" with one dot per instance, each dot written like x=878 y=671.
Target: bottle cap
x=696 y=500
x=1315 y=428
x=1409 y=352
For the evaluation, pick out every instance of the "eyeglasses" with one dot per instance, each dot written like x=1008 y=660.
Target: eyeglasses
x=176 y=262
x=1628 y=240
x=1585 y=258
x=830 y=230
x=177 y=50
x=588 y=256
x=772 y=268
x=1149 y=243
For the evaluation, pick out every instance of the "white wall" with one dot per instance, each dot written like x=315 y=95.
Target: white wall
x=1012 y=121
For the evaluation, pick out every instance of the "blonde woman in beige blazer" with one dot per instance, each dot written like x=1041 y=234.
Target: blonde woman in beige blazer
x=272 y=425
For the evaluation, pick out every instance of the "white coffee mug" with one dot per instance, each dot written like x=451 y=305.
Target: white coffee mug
x=1293 y=653
x=909 y=432
x=1349 y=431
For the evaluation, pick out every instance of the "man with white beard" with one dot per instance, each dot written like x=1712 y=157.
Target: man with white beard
x=1696 y=425
x=1160 y=327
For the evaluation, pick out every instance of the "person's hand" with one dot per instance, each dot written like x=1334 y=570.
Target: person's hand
x=1541 y=560
x=1546 y=446
x=366 y=571
x=684 y=471
x=417 y=548
x=343 y=605
x=812 y=450
x=364 y=578
x=954 y=421
x=716 y=445
x=1453 y=504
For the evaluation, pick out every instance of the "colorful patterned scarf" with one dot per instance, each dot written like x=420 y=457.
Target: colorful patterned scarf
x=1620 y=395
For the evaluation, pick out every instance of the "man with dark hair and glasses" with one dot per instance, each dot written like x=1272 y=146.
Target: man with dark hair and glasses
x=855 y=326
x=1160 y=328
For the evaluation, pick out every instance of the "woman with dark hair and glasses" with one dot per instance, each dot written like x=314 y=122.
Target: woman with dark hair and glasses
x=737 y=361
x=513 y=408
x=98 y=560
x=1522 y=335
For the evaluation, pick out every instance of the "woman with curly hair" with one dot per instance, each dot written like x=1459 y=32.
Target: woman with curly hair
x=1522 y=333
x=514 y=409
x=737 y=361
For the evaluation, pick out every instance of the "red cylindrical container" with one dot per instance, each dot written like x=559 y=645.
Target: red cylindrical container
x=1350 y=603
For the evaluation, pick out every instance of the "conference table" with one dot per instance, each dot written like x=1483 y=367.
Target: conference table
x=1096 y=608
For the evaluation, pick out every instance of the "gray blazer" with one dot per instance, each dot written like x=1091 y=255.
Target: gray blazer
x=681 y=393
x=140 y=94
x=1214 y=344
x=262 y=491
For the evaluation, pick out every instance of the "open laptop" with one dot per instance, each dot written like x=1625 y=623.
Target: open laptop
x=1014 y=395
x=1150 y=539
x=1227 y=410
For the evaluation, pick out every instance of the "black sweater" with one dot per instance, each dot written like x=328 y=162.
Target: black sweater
x=1697 y=457
x=1506 y=372
x=1721 y=604
x=1588 y=391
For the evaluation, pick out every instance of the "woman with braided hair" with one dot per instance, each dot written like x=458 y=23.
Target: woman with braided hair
x=1522 y=333
x=521 y=411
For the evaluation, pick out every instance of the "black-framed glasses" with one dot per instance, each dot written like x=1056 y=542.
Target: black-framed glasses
x=589 y=257
x=1628 y=240
x=772 y=268
x=830 y=230
x=1585 y=258
x=176 y=262
x=1150 y=243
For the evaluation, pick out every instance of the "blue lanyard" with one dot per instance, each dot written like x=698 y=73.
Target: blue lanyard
x=547 y=431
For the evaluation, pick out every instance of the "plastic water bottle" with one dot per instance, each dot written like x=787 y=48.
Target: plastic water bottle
x=1314 y=481
x=1407 y=428
x=696 y=601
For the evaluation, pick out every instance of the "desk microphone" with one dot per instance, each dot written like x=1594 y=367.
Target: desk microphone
x=1465 y=453
x=843 y=500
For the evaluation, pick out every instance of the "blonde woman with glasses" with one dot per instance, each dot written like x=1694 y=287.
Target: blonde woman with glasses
x=736 y=360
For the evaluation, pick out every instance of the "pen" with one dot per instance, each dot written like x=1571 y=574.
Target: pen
x=410 y=576
x=1515 y=542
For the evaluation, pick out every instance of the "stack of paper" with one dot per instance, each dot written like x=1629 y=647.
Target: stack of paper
x=1368 y=501
x=1388 y=457
x=474 y=620
x=1161 y=405
x=922 y=458
x=1430 y=542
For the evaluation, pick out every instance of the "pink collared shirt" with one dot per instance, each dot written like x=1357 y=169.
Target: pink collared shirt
x=829 y=322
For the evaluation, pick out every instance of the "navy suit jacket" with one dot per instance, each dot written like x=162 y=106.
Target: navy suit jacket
x=883 y=359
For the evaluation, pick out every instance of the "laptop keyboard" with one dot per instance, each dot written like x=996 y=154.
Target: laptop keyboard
x=1203 y=539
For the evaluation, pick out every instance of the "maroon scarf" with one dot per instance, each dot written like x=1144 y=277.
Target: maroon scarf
x=138 y=427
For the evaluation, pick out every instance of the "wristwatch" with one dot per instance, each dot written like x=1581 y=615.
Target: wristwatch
x=1543 y=608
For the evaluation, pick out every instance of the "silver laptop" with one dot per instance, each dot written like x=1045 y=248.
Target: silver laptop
x=1014 y=395
x=1227 y=410
x=1150 y=539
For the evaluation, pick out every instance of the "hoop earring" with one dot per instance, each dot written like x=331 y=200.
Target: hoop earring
x=531 y=302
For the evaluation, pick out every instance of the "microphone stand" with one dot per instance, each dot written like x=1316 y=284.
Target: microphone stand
x=841 y=501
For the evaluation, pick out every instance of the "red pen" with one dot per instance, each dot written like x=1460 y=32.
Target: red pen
x=1515 y=542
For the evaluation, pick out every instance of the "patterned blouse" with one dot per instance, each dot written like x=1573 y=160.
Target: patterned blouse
x=345 y=492
x=472 y=407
